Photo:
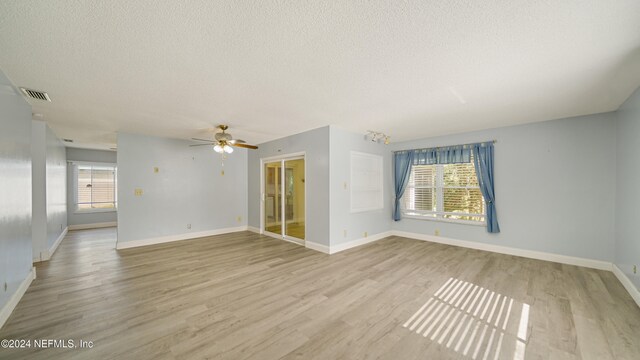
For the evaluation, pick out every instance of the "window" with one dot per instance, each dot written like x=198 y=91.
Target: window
x=96 y=187
x=366 y=182
x=445 y=192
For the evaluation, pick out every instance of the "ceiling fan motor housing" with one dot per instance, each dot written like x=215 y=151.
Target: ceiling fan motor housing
x=223 y=136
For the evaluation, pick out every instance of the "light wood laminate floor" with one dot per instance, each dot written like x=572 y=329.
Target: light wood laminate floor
x=246 y=296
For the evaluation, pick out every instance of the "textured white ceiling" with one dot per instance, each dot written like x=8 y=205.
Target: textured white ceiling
x=273 y=68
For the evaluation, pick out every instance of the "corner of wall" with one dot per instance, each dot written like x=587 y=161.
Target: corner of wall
x=8 y=308
x=627 y=175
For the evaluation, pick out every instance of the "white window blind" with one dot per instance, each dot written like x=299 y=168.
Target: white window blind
x=96 y=186
x=449 y=191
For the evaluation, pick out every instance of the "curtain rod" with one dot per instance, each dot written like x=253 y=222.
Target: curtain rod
x=448 y=146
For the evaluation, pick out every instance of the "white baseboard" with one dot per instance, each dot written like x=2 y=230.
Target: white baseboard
x=55 y=245
x=253 y=229
x=41 y=256
x=626 y=282
x=317 y=247
x=15 y=298
x=46 y=255
x=563 y=259
x=358 y=242
x=93 y=226
x=186 y=236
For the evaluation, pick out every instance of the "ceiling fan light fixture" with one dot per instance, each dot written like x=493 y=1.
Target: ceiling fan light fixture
x=223 y=142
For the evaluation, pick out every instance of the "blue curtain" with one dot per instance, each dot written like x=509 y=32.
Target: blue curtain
x=425 y=157
x=454 y=154
x=402 y=162
x=483 y=159
x=443 y=155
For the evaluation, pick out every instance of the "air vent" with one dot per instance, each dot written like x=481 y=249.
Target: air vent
x=35 y=94
x=67 y=140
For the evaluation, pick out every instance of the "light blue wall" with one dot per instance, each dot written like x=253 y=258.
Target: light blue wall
x=315 y=143
x=627 y=188
x=555 y=187
x=39 y=189
x=49 y=195
x=86 y=155
x=56 y=178
x=373 y=222
x=15 y=189
x=188 y=189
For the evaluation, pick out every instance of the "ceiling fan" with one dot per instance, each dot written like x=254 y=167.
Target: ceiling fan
x=224 y=141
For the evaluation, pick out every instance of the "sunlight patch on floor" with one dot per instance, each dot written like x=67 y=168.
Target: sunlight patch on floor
x=472 y=320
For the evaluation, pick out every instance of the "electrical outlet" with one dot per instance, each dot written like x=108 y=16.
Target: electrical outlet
x=344 y=232
x=239 y=218
x=437 y=232
x=189 y=226
x=635 y=269
x=156 y=169
x=137 y=192
x=366 y=234
x=345 y=185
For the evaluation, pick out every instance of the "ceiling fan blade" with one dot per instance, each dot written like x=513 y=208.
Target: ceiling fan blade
x=201 y=145
x=211 y=141
x=245 y=146
x=237 y=141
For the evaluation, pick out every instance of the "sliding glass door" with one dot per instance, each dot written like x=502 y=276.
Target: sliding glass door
x=294 y=199
x=284 y=198
x=273 y=197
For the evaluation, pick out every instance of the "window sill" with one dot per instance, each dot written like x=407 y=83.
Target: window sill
x=452 y=221
x=91 y=211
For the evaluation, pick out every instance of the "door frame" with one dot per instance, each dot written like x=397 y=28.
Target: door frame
x=263 y=196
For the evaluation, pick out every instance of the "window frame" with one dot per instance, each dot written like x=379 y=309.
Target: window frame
x=76 y=165
x=439 y=200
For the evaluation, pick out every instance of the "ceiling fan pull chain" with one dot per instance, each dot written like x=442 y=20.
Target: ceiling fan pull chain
x=223 y=156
